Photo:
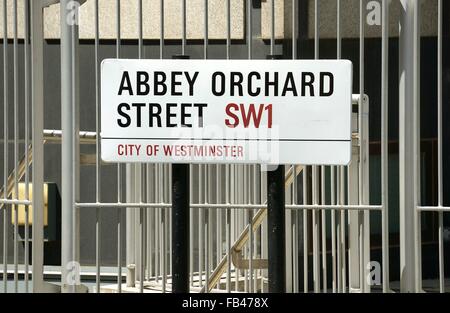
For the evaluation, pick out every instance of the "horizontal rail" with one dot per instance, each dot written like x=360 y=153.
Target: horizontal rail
x=14 y=201
x=223 y=206
x=335 y=207
x=434 y=208
x=52 y=136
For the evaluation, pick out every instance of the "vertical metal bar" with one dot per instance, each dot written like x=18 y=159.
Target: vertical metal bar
x=5 y=143
x=75 y=116
x=98 y=152
x=440 y=170
x=340 y=182
x=183 y=27
x=16 y=149
x=245 y=196
x=315 y=225
x=361 y=214
x=416 y=147
x=250 y=212
x=264 y=239
x=239 y=216
x=191 y=227
x=272 y=27
x=338 y=30
x=163 y=229
x=365 y=197
x=323 y=229
x=343 y=234
x=219 y=167
x=384 y=143
x=408 y=239
x=201 y=223
x=333 y=229
x=315 y=213
x=305 y=231
x=354 y=224
x=161 y=29
x=208 y=221
x=158 y=167
x=119 y=167
x=168 y=175
x=158 y=253
x=37 y=100
x=69 y=146
x=142 y=171
x=276 y=225
x=249 y=29
x=27 y=135
x=316 y=29
x=143 y=241
x=205 y=30
x=219 y=216
x=339 y=226
x=228 y=224
x=295 y=231
x=151 y=229
x=228 y=168
x=130 y=235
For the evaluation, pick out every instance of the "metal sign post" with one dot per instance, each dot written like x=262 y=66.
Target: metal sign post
x=180 y=228
x=276 y=229
x=276 y=224
x=180 y=224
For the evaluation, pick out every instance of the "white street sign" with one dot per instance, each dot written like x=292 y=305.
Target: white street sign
x=226 y=111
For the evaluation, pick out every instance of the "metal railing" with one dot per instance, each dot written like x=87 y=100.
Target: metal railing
x=328 y=210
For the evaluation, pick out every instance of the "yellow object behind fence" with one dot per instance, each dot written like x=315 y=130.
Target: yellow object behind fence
x=21 y=212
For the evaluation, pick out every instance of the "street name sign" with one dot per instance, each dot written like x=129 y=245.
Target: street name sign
x=226 y=111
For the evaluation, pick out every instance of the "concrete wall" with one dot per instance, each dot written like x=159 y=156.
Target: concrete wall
x=217 y=19
x=327 y=14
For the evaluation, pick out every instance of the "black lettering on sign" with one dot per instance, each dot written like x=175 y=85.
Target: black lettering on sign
x=169 y=115
x=185 y=114
x=143 y=87
x=191 y=82
x=307 y=81
x=120 y=110
x=330 y=76
x=200 y=107
x=176 y=83
x=221 y=85
x=155 y=115
x=271 y=83
x=289 y=85
x=160 y=82
x=138 y=107
x=236 y=82
x=125 y=84
x=253 y=92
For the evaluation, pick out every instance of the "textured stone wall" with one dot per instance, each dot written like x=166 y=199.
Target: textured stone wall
x=151 y=21
x=349 y=18
x=217 y=19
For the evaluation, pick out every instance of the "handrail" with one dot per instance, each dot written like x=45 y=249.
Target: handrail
x=11 y=178
x=244 y=236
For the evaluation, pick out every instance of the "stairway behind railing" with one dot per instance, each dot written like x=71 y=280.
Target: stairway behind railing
x=239 y=244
